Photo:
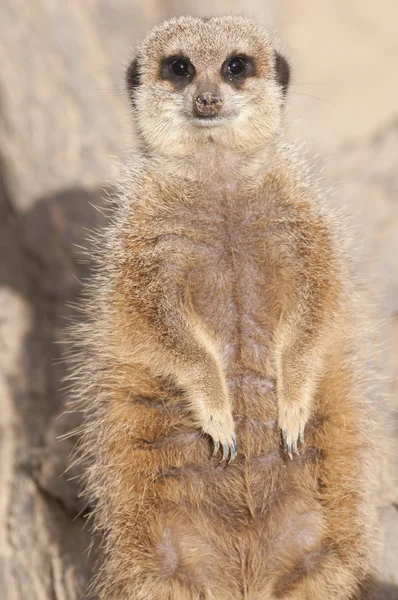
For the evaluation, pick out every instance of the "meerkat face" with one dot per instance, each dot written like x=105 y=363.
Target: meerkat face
x=197 y=81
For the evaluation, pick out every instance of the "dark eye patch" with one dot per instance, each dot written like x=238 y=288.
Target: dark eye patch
x=237 y=68
x=177 y=69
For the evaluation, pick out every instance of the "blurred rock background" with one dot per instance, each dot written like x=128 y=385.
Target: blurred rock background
x=64 y=125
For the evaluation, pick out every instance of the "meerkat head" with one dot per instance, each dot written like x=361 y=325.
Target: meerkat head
x=196 y=81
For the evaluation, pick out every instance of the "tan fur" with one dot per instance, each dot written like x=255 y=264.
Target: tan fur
x=222 y=305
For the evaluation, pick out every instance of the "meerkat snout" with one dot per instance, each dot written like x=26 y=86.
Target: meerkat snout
x=207 y=104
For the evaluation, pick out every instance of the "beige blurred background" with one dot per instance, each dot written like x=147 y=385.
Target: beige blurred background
x=64 y=128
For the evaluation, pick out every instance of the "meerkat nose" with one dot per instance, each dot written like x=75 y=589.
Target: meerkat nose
x=207 y=104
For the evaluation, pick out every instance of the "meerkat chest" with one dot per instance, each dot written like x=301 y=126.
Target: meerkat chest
x=228 y=271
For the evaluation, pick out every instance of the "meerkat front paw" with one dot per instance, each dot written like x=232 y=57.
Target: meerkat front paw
x=220 y=427
x=291 y=420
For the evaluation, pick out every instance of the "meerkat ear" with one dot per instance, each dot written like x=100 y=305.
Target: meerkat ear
x=282 y=72
x=133 y=78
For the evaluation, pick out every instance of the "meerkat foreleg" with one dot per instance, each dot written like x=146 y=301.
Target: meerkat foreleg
x=200 y=374
x=296 y=382
x=167 y=337
x=170 y=342
x=301 y=344
x=311 y=315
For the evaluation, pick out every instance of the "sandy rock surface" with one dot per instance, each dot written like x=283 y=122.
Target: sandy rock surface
x=64 y=125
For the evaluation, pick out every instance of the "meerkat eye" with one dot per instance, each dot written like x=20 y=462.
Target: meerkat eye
x=178 y=70
x=180 y=67
x=236 y=68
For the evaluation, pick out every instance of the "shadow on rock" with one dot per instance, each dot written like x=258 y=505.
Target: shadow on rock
x=43 y=263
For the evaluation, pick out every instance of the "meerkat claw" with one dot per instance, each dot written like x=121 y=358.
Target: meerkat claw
x=220 y=430
x=216 y=447
x=225 y=451
x=284 y=438
x=292 y=423
x=289 y=451
x=289 y=445
x=294 y=447
x=229 y=450
x=234 y=449
x=302 y=427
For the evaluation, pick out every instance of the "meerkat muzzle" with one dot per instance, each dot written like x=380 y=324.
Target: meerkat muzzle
x=207 y=104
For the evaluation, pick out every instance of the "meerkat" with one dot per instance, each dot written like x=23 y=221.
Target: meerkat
x=227 y=433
